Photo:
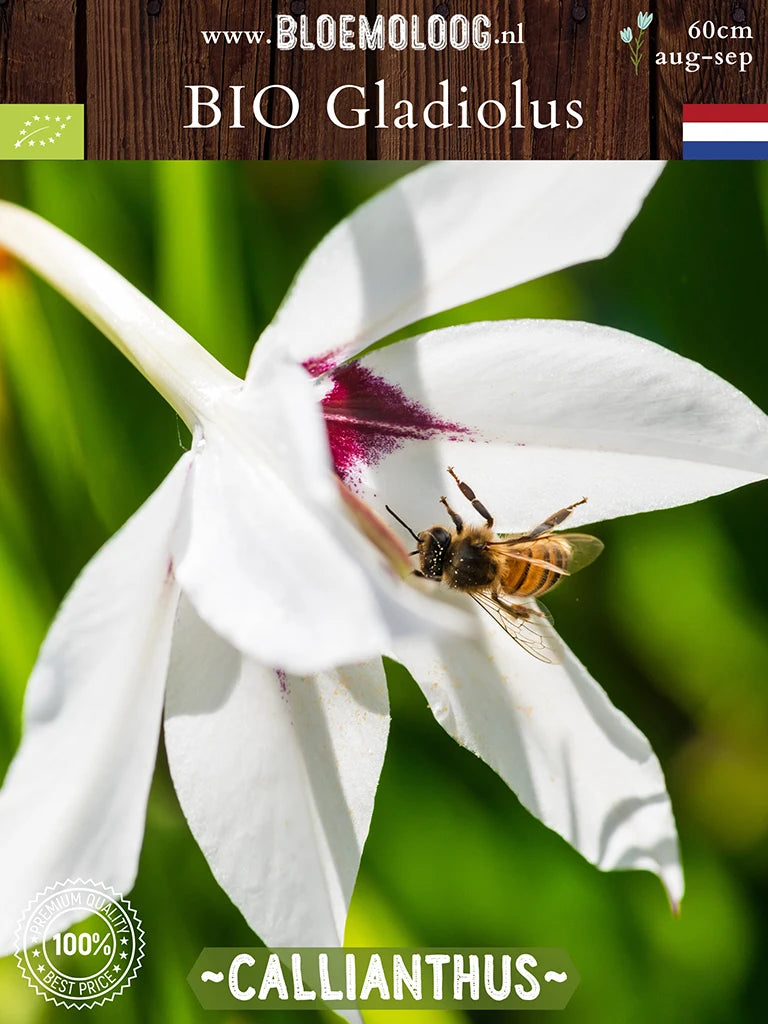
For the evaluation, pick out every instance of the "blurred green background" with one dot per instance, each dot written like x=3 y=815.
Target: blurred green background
x=672 y=620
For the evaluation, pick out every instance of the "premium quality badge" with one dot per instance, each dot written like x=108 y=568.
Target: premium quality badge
x=85 y=965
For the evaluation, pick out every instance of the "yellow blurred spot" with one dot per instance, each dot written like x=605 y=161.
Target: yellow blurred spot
x=724 y=784
x=373 y=923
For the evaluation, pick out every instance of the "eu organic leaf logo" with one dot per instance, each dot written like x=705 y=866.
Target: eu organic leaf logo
x=42 y=130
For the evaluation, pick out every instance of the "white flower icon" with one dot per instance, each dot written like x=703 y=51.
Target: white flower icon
x=636 y=45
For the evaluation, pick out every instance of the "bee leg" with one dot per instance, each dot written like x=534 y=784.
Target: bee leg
x=469 y=494
x=458 y=522
x=552 y=523
x=520 y=611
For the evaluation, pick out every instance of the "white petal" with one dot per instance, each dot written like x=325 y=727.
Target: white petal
x=266 y=554
x=551 y=733
x=444 y=235
x=535 y=415
x=74 y=799
x=276 y=775
x=181 y=370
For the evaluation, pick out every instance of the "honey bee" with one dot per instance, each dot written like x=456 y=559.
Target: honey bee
x=495 y=569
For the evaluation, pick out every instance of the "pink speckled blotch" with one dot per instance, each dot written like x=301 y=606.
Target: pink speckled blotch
x=316 y=366
x=282 y=679
x=368 y=418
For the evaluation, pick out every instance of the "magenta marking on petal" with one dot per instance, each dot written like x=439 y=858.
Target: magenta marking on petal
x=282 y=679
x=368 y=418
x=316 y=366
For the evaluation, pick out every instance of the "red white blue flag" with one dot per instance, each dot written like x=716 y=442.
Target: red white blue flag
x=725 y=131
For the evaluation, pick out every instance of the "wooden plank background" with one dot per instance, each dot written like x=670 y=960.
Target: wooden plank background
x=711 y=84
x=129 y=62
x=38 y=46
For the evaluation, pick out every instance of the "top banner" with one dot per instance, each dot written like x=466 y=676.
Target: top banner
x=293 y=79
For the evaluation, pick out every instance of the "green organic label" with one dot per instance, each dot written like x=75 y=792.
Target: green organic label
x=383 y=979
x=42 y=131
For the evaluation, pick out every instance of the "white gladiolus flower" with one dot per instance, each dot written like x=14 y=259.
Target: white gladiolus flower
x=187 y=608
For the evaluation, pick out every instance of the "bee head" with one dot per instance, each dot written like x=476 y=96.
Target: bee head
x=433 y=546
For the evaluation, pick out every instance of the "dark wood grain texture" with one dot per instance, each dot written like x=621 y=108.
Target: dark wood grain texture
x=574 y=51
x=130 y=63
x=712 y=83
x=474 y=76
x=37 y=51
x=141 y=57
x=313 y=75
x=570 y=55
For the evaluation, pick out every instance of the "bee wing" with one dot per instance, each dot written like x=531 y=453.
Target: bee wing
x=584 y=549
x=577 y=550
x=529 y=625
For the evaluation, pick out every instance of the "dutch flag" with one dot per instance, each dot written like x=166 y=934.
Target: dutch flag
x=725 y=131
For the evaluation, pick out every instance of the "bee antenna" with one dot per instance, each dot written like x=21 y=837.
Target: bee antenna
x=397 y=517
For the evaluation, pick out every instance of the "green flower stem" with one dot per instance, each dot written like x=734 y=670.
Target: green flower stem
x=635 y=54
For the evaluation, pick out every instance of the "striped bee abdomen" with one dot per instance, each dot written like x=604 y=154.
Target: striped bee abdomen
x=522 y=576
